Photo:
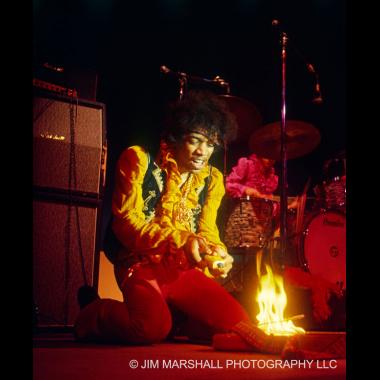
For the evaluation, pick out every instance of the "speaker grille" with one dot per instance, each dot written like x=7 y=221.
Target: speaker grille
x=57 y=261
x=56 y=122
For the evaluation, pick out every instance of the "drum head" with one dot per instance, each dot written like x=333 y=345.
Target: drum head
x=324 y=246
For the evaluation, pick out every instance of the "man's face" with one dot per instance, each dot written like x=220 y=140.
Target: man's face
x=193 y=152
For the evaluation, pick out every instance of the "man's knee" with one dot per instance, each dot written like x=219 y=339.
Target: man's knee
x=150 y=319
x=108 y=320
x=149 y=331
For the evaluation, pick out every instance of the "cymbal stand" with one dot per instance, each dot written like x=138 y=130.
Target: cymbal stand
x=283 y=177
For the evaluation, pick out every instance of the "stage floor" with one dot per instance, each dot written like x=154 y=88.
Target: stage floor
x=57 y=356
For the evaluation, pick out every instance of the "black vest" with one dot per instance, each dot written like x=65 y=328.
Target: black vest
x=151 y=194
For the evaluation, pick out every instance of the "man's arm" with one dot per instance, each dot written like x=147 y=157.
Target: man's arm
x=235 y=180
x=207 y=222
x=129 y=225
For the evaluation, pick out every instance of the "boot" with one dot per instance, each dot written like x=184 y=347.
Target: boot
x=86 y=294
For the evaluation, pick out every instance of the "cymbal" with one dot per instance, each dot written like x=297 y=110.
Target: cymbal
x=301 y=138
x=247 y=115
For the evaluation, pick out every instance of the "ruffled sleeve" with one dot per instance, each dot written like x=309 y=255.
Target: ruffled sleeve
x=129 y=223
x=207 y=222
x=235 y=180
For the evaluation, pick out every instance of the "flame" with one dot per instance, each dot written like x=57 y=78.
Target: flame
x=272 y=301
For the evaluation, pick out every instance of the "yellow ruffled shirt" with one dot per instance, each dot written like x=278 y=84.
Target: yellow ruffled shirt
x=162 y=234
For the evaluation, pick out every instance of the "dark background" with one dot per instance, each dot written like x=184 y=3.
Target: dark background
x=124 y=43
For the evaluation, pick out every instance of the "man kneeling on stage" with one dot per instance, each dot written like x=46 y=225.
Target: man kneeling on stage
x=166 y=246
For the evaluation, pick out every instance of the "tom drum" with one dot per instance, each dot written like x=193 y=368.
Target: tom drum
x=249 y=223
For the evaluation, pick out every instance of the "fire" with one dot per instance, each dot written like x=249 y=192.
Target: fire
x=272 y=301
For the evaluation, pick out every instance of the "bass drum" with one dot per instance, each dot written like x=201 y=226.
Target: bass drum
x=323 y=247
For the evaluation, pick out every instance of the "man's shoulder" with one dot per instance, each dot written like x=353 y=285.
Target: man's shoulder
x=214 y=170
x=135 y=149
x=135 y=154
x=215 y=174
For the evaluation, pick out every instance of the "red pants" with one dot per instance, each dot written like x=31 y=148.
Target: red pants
x=145 y=317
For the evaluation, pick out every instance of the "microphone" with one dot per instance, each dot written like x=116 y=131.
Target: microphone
x=317 y=89
x=310 y=67
x=277 y=27
x=165 y=70
x=195 y=79
x=58 y=69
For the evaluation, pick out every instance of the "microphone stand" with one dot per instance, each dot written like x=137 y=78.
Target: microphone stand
x=283 y=180
x=185 y=78
x=182 y=84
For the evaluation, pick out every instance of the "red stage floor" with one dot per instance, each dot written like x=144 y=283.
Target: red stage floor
x=59 y=357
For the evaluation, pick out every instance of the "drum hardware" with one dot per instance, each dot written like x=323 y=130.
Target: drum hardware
x=306 y=267
x=261 y=241
x=342 y=290
x=286 y=139
x=240 y=275
x=272 y=141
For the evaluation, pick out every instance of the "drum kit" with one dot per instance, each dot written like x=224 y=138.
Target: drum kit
x=319 y=240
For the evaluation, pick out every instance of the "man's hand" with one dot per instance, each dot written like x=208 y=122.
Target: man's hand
x=255 y=193
x=227 y=260
x=203 y=254
x=194 y=247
